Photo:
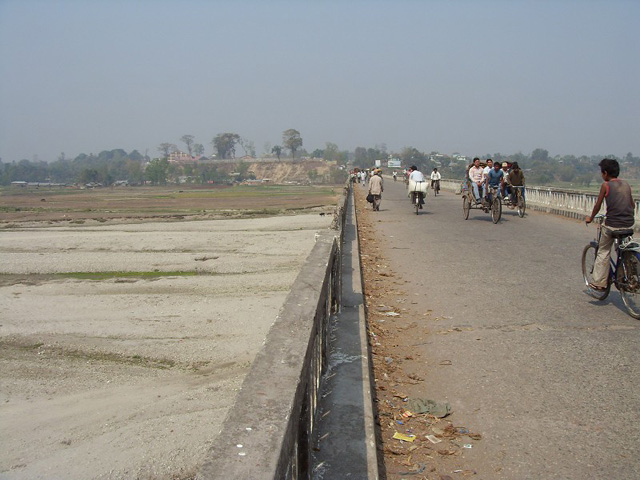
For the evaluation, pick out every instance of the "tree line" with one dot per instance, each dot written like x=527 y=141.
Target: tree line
x=224 y=145
x=110 y=166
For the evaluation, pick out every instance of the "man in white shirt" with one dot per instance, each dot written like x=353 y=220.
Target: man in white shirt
x=485 y=173
x=476 y=177
x=416 y=175
x=435 y=180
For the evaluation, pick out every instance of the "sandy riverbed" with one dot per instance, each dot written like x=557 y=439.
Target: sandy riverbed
x=131 y=376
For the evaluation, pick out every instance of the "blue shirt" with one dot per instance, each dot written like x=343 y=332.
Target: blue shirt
x=495 y=177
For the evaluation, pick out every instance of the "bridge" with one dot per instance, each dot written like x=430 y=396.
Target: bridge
x=494 y=318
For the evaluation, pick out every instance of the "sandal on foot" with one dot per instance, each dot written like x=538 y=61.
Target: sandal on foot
x=596 y=288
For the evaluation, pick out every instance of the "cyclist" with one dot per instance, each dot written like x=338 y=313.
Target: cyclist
x=620 y=216
x=416 y=175
x=515 y=179
x=435 y=180
x=476 y=178
x=395 y=175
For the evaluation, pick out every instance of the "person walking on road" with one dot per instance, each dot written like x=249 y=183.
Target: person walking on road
x=620 y=216
x=376 y=188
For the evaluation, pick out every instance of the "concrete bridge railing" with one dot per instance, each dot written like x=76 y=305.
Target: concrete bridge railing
x=569 y=203
x=269 y=430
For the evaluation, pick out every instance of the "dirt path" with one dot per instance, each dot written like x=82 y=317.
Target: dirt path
x=396 y=323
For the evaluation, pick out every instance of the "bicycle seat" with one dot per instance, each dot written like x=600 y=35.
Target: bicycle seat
x=622 y=233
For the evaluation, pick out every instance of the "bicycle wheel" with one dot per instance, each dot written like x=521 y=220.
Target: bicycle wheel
x=417 y=203
x=522 y=205
x=588 y=262
x=629 y=284
x=496 y=209
x=466 y=206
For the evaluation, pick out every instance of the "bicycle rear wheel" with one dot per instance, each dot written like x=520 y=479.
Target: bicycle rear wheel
x=629 y=284
x=466 y=206
x=588 y=262
x=521 y=205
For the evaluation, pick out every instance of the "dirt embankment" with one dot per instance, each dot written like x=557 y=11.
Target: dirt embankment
x=285 y=171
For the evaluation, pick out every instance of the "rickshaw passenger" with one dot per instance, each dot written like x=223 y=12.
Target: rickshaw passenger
x=476 y=178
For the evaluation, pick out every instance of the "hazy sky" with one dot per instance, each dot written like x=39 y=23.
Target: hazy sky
x=475 y=77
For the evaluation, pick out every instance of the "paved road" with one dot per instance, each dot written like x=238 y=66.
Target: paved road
x=549 y=377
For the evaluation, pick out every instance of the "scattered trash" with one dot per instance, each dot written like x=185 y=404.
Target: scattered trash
x=403 y=437
x=407 y=414
x=388 y=360
x=399 y=422
x=433 y=439
x=421 y=469
x=447 y=452
x=467 y=445
x=463 y=430
x=431 y=407
x=446 y=362
x=392 y=314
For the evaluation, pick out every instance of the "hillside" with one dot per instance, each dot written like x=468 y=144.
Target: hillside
x=286 y=171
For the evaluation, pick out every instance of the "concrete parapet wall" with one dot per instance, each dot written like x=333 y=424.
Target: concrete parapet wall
x=268 y=431
x=568 y=203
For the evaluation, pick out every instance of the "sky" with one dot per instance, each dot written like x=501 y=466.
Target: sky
x=475 y=77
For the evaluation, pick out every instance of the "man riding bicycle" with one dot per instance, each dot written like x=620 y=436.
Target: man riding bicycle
x=620 y=216
x=416 y=175
x=494 y=179
x=435 y=179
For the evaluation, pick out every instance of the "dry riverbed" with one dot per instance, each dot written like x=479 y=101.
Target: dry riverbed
x=122 y=345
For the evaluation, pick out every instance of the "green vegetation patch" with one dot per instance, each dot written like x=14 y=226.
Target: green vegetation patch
x=142 y=275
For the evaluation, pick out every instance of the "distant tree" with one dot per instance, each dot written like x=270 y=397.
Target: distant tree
x=292 y=140
x=331 y=152
x=539 y=154
x=413 y=156
x=198 y=149
x=225 y=144
x=360 y=156
x=136 y=156
x=157 y=171
x=277 y=150
x=188 y=141
x=317 y=153
x=585 y=179
x=566 y=173
x=89 y=175
x=248 y=146
x=166 y=149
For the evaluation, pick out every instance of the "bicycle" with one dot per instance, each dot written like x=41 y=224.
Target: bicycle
x=435 y=186
x=519 y=201
x=624 y=273
x=417 y=197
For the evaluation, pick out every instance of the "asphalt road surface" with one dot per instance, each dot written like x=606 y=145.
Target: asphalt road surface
x=547 y=375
